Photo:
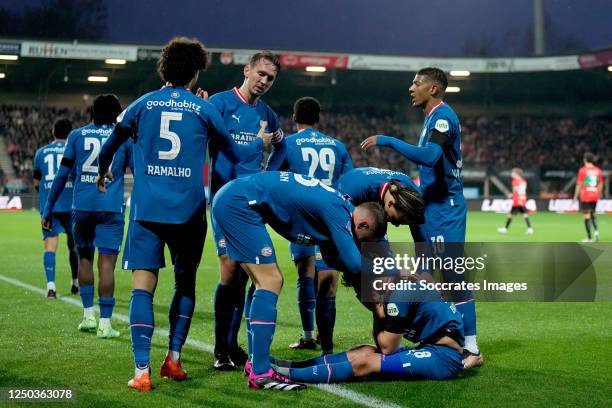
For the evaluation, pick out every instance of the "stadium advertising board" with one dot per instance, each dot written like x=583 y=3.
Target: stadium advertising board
x=304 y=60
x=44 y=49
x=8 y=203
x=503 y=205
x=9 y=48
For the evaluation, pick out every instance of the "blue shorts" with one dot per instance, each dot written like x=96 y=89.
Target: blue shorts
x=144 y=246
x=98 y=229
x=299 y=251
x=444 y=222
x=60 y=222
x=243 y=228
x=429 y=362
x=218 y=236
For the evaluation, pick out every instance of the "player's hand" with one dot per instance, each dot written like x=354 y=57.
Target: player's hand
x=46 y=220
x=267 y=137
x=101 y=181
x=202 y=94
x=369 y=142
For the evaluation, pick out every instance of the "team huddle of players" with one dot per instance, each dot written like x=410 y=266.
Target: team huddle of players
x=309 y=193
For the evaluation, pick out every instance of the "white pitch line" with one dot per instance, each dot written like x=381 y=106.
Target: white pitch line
x=354 y=396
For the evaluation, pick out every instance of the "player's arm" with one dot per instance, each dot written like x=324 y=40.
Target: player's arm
x=427 y=155
x=579 y=181
x=388 y=341
x=59 y=182
x=120 y=135
x=223 y=140
x=347 y=161
x=600 y=183
x=279 y=144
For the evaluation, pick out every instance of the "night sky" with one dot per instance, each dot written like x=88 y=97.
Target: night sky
x=433 y=27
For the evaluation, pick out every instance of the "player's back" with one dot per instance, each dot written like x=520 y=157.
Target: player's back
x=171 y=128
x=314 y=154
x=242 y=121
x=590 y=177
x=47 y=162
x=444 y=180
x=83 y=146
x=300 y=208
x=519 y=192
x=364 y=184
x=424 y=315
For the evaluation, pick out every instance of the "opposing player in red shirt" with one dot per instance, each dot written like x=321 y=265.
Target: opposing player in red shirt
x=589 y=186
x=519 y=199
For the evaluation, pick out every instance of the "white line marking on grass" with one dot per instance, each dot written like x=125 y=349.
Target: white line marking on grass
x=354 y=396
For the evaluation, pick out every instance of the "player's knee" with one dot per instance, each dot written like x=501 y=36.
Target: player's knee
x=365 y=364
x=185 y=285
x=86 y=253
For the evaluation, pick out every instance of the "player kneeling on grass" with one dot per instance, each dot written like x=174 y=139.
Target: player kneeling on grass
x=304 y=211
x=519 y=200
x=420 y=316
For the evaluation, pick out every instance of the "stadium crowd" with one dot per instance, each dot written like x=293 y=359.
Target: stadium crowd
x=499 y=141
x=533 y=141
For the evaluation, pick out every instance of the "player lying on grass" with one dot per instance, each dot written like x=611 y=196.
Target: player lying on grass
x=420 y=316
x=304 y=211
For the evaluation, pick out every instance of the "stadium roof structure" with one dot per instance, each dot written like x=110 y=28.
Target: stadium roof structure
x=47 y=67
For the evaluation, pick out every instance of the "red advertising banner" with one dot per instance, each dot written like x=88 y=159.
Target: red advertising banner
x=595 y=60
x=305 y=60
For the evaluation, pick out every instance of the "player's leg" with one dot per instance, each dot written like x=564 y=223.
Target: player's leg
x=73 y=255
x=504 y=229
x=594 y=222
x=144 y=255
x=586 y=211
x=109 y=235
x=50 y=247
x=249 y=243
x=225 y=300
x=326 y=305
x=527 y=220
x=304 y=260
x=431 y=362
x=237 y=354
x=186 y=243
x=357 y=362
x=83 y=226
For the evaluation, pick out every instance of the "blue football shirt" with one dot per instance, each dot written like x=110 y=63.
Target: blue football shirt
x=46 y=163
x=242 y=122
x=172 y=129
x=317 y=155
x=364 y=184
x=83 y=147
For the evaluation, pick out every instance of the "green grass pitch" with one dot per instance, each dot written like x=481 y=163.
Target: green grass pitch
x=536 y=354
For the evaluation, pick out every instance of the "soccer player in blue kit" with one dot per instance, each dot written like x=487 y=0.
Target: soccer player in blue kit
x=420 y=316
x=394 y=190
x=46 y=164
x=171 y=129
x=304 y=211
x=243 y=111
x=438 y=155
x=98 y=218
x=312 y=153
